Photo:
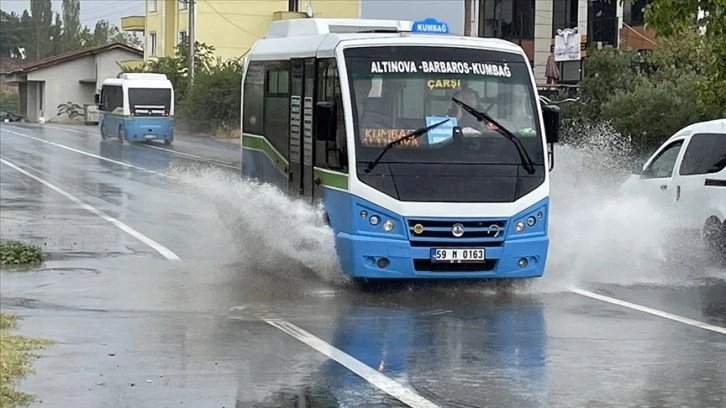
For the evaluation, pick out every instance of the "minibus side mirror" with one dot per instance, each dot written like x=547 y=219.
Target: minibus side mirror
x=551 y=116
x=325 y=121
x=97 y=100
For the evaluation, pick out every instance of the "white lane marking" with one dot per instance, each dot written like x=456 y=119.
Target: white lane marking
x=62 y=128
x=655 y=312
x=165 y=252
x=398 y=391
x=192 y=156
x=120 y=163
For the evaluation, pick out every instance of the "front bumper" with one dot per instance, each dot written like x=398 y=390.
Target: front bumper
x=359 y=255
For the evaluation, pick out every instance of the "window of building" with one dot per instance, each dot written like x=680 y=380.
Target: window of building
x=634 y=12
x=152 y=44
x=603 y=22
x=706 y=153
x=564 y=15
x=330 y=154
x=152 y=6
x=276 y=114
x=182 y=37
x=511 y=20
x=182 y=4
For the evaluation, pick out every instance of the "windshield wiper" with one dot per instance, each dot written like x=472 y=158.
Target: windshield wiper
x=413 y=135
x=527 y=162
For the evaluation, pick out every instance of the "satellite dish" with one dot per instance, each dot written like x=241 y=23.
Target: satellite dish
x=309 y=10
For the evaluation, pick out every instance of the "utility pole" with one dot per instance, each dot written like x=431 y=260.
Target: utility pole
x=191 y=40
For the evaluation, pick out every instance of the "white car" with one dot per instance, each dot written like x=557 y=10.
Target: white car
x=686 y=176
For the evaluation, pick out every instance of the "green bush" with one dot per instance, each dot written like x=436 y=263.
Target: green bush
x=646 y=97
x=653 y=111
x=10 y=102
x=213 y=102
x=18 y=253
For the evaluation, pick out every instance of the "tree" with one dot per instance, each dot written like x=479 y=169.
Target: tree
x=41 y=20
x=71 y=24
x=11 y=33
x=100 y=33
x=56 y=36
x=705 y=18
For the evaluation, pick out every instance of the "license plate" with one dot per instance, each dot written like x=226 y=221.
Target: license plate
x=150 y=136
x=458 y=255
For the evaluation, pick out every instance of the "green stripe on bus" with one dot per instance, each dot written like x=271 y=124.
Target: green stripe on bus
x=332 y=179
x=260 y=143
x=327 y=177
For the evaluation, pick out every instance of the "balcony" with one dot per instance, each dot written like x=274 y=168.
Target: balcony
x=133 y=23
x=287 y=15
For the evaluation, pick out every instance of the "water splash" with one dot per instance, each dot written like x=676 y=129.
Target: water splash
x=599 y=234
x=269 y=230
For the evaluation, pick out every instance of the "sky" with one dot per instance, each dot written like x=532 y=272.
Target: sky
x=91 y=10
x=450 y=11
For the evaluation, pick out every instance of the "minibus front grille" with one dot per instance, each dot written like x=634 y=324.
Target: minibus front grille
x=440 y=230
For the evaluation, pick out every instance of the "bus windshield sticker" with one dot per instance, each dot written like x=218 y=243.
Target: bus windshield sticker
x=442 y=133
x=441 y=67
x=443 y=84
x=375 y=137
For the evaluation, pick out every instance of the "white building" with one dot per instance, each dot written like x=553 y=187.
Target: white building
x=71 y=77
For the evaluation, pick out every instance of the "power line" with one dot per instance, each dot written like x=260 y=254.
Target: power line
x=230 y=21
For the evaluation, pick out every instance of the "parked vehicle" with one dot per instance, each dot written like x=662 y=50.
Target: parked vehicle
x=137 y=107
x=686 y=178
x=6 y=116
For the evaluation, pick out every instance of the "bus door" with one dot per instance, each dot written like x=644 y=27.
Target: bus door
x=302 y=90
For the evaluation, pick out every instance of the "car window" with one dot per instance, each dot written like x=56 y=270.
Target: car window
x=706 y=153
x=663 y=164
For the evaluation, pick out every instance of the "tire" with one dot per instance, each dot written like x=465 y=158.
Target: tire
x=168 y=141
x=121 y=134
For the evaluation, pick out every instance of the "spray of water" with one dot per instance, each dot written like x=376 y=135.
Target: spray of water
x=598 y=235
x=269 y=230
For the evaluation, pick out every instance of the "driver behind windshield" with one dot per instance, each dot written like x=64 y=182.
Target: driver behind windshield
x=467 y=122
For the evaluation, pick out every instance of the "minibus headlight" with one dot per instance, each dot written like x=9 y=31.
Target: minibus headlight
x=388 y=225
x=374 y=220
x=519 y=227
x=531 y=221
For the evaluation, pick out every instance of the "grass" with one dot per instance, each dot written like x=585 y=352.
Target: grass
x=18 y=353
x=16 y=253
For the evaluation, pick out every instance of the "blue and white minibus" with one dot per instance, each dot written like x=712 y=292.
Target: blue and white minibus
x=137 y=107
x=430 y=153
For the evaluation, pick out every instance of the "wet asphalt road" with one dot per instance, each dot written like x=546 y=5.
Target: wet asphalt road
x=139 y=328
